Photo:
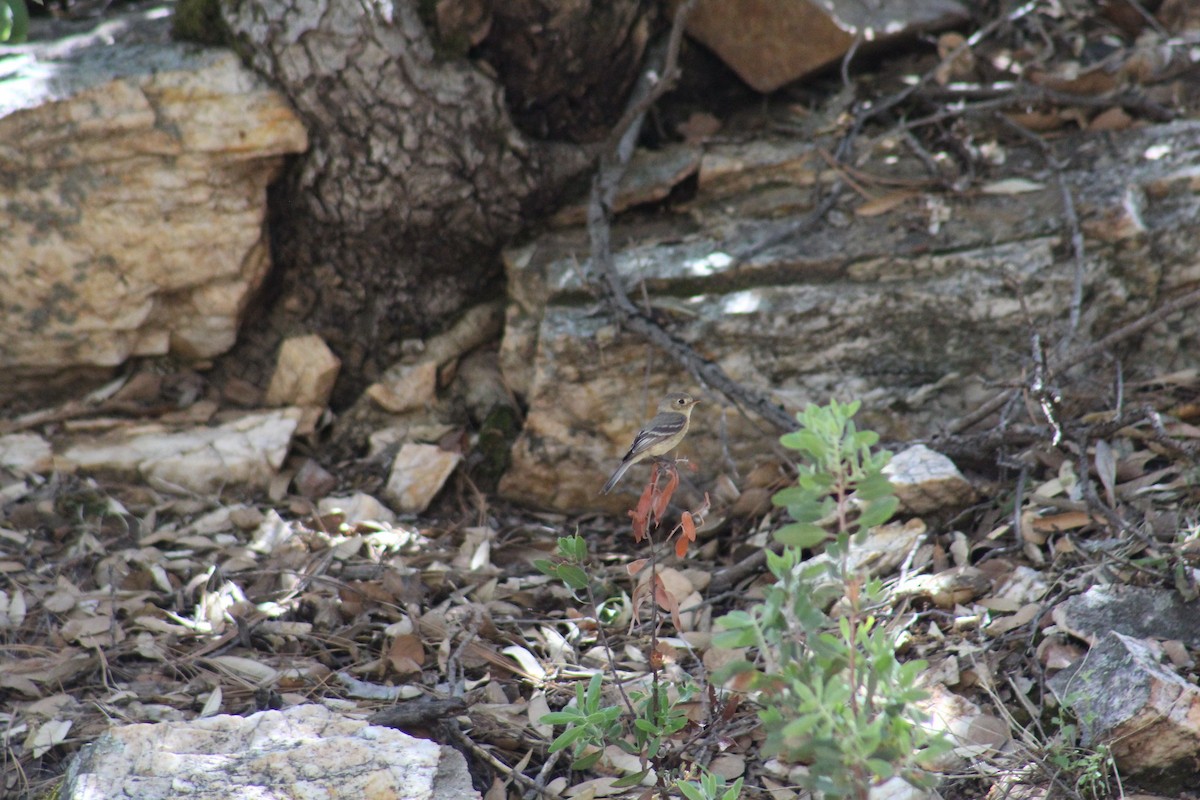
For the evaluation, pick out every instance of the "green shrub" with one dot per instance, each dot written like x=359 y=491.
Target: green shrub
x=833 y=694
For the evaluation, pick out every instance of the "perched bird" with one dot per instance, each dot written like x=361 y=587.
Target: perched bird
x=659 y=436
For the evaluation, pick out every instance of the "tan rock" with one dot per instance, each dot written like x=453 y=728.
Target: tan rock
x=925 y=481
x=972 y=731
x=136 y=196
x=946 y=589
x=909 y=311
x=247 y=450
x=772 y=42
x=1122 y=694
x=407 y=388
x=305 y=372
x=418 y=474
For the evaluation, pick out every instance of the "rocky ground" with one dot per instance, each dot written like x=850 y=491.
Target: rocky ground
x=1062 y=566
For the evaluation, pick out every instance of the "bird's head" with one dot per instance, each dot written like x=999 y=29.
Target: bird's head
x=679 y=402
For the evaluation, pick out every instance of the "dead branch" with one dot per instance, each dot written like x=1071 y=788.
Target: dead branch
x=613 y=163
x=1079 y=355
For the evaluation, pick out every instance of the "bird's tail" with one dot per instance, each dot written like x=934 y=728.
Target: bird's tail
x=616 y=476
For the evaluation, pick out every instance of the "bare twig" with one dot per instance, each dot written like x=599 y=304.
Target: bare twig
x=464 y=742
x=1085 y=353
x=604 y=188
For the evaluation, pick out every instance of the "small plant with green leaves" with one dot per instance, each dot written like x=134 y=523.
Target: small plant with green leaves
x=1094 y=770
x=833 y=694
x=590 y=725
x=710 y=787
x=840 y=482
x=645 y=722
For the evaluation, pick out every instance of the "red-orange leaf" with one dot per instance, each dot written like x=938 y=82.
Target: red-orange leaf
x=641 y=515
x=681 y=545
x=664 y=498
x=687 y=534
x=665 y=600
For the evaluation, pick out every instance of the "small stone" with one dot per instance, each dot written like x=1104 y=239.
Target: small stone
x=25 y=452
x=305 y=372
x=410 y=388
x=418 y=474
x=247 y=450
x=358 y=507
x=926 y=480
x=313 y=480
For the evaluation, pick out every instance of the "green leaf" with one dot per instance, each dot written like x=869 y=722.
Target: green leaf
x=690 y=790
x=628 y=747
x=567 y=738
x=865 y=439
x=14 y=21
x=588 y=761
x=604 y=716
x=675 y=725
x=653 y=748
x=873 y=487
x=564 y=717
x=574 y=577
x=801 y=534
x=805 y=441
x=789 y=496
x=646 y=725
x=590 y=698
x=878 y=512
x=630 y=780
x=572 y=548
x=733 y=792
x=735 y=620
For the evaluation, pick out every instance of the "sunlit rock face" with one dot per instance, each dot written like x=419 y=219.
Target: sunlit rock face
x=133 y=205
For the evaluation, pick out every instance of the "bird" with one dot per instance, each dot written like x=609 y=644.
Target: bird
x=659 y=436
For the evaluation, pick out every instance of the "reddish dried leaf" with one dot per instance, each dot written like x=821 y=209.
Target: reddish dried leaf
x=681 y=545
x=639 y=595
x=666 y=601
x=730 y=707
x=634 y=567
x=687 y=534
x=1067 y=520
x=742 y=681
x=664 y=497
x=641 y=515
x=698 y=127
x=407 y=654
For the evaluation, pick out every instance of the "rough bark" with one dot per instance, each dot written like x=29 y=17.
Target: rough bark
x=390 y=223
x=567 y=67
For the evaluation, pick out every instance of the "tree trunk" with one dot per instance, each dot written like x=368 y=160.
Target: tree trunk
x=416 y=175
